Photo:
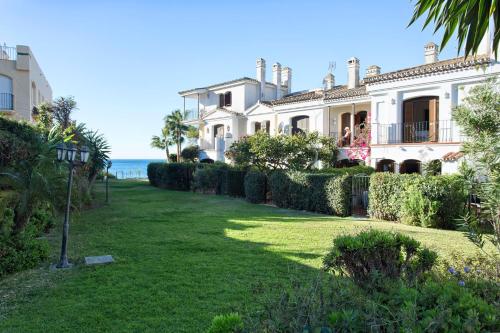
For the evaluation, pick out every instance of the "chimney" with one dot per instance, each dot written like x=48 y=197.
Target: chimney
x=353 y=73
x=372 y=70
x=261 y=76
x=328 y=81
x=287 y=79
x=277 y=79
x=431 y=53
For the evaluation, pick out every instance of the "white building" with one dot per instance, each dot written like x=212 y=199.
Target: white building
x=408 y=111
x=22 y=83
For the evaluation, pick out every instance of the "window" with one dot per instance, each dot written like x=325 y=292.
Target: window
x=228 y=98
x=221 y=100
x=225 y=99
x=6 y=97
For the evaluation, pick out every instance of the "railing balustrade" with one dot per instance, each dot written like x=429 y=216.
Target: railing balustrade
x=417 y=132
x=6 y=101
x=207 y=145
x=7 y=52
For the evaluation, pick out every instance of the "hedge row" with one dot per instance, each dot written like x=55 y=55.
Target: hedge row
x=218 y=178
x=322 y=193
x=172 y=176
x=429 y=201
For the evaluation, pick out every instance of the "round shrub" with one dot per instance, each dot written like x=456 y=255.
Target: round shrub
x=373 y=257
x=190 y=153
x=255 y=186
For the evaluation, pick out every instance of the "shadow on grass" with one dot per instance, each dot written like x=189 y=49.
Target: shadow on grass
x=176 y=267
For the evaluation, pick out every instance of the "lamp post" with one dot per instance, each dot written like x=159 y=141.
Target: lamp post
x=68 y=153
x=108 y=165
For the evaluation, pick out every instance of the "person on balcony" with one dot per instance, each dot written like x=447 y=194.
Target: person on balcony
x=346 y=139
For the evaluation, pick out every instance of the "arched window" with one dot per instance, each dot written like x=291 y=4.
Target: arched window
x=410 y=166
x=385 y=165
x=6 y=96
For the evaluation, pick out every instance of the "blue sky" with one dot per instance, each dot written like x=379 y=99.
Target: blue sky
x=125 y=61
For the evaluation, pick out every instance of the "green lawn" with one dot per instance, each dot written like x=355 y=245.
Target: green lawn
x=180 y=258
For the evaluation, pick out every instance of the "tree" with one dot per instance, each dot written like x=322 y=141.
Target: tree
x=99 y=154
x=177 y=128
x=479 y=118
x=190 y=153
x=470 y=18
x=285 y=152
x=62 y=108
x=44 y=116
x=163 y=141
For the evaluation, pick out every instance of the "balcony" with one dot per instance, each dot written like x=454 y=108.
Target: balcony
x=6 y=101
x=441 y=131
x=7 y=52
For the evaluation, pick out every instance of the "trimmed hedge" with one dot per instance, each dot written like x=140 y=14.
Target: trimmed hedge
x=172 y=176
x=255 y=186
x=339 y=190
x=428 y=201
x=236 y=182
x=322 y=193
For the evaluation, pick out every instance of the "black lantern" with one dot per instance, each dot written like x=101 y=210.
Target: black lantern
x=69 y=152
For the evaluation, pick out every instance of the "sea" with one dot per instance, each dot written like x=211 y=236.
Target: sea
x=131 y=168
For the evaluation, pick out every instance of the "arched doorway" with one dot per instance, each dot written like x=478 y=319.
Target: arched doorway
x=420 y=119
x=385 y=165
x=410 y=166
x=300 y=124
x=219 y=131
x=345 y=124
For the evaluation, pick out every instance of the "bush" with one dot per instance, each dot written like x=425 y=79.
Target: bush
x=354 y=170
x=430 y=201
x=339 y=195
x=236 y=182
x=21 y=252
x=318 y=196
x=255 y=186
x=172 y=176
x=211 y=178
x=333 y=304
x=230 y=323
x=279 y=184
x=205 y=180
x=317 y=192
x=190 y=153
x=373 y=257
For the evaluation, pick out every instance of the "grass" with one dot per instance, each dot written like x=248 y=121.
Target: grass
x=181 y=258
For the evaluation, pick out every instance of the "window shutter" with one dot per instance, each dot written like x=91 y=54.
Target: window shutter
x=433 y=120
x=408 y=124
x=221 y=100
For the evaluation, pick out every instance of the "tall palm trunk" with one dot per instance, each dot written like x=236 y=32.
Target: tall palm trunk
x=167 y=151
x=179 y=147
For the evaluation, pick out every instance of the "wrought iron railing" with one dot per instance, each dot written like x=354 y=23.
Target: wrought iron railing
x=7 y=52
x=6 y=101
x=417 y=132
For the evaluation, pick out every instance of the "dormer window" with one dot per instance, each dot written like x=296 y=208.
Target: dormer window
x=225 y=99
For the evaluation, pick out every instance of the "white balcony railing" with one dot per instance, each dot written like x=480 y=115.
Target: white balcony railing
x=7 y=52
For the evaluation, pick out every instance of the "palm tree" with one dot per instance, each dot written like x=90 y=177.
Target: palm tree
x=471 y=17
x=62 y=109
x=163 y=141
x=175 y=123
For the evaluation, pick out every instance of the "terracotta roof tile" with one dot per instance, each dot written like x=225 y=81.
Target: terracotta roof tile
x=452 y=156
x=437 y=67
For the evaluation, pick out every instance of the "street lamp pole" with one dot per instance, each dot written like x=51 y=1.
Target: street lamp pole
x=68 y=153
x=63 y=261
x=108 y=165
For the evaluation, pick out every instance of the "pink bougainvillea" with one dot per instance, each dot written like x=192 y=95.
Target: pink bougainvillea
x=360 y=149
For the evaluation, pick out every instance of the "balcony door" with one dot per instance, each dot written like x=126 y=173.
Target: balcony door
x=420 y=119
